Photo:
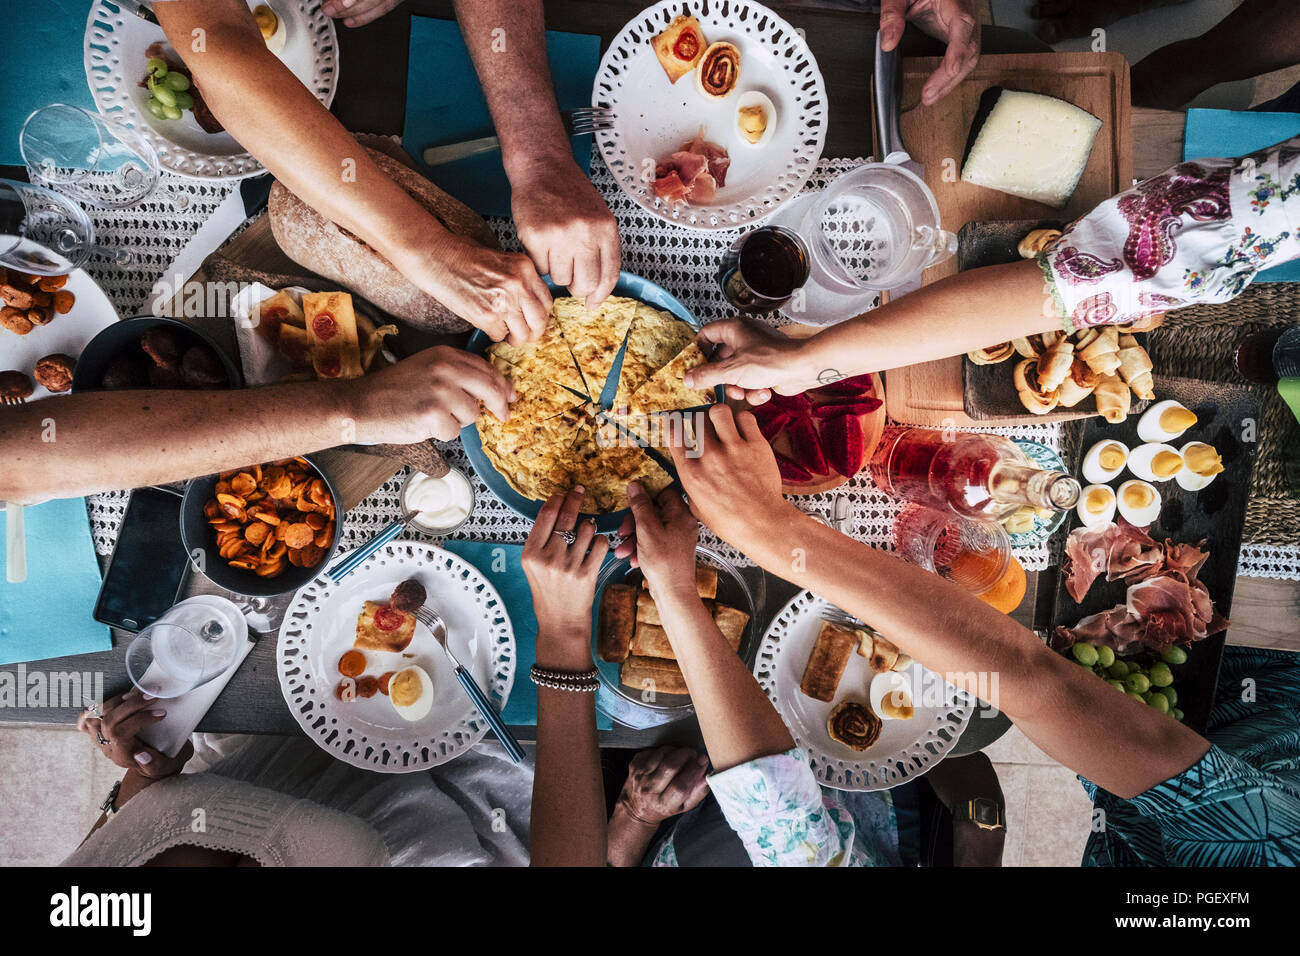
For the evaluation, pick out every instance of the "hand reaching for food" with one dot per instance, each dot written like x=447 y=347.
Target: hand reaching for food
x=659 y=536
x=949 y=20
x=499 y=292
x=752 y=364
x=357 y=13
x=567 y=229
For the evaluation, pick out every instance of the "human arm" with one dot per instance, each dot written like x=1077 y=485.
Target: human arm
x=1121 y=744
x=279 y=121
x=952 y=21
x=562 y=221
x=661 y=783
x=568 y=810
x=98 y=441
x=956 y=781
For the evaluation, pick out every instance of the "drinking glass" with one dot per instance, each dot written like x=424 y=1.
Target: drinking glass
x=971 y=554
x=95 y=160
x=763 y=269
x=192 y=643
x=43 y=232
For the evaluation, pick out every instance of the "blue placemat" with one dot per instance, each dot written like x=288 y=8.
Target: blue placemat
x=48 y=615
x=444 y=104
x=499 y=563
x=47 y=36
x=1215 y=133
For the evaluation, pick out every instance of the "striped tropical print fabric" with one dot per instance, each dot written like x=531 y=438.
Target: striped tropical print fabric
x=1240 y=804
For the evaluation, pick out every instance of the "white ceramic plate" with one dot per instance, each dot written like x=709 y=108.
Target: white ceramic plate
x=115 y=58
x=905 y=749
x=654 y=117
x=91 y=314
x=320 y=625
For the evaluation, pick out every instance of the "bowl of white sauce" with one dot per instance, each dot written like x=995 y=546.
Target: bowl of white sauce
x=438 y=505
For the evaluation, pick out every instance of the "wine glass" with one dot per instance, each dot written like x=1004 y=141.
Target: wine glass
x=192 y=643
x=94 y=159
x=45 y=233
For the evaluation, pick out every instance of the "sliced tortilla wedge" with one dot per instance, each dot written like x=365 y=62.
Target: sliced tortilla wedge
x=667 y=391
x=652 y=342
x=595 y=338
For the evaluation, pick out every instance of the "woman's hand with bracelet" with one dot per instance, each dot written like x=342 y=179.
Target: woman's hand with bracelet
x=561 y=560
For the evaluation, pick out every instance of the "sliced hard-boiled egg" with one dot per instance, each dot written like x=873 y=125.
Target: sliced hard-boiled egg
x=411 y=692
x=1138 y=503
x=1201 y=462
x=271 y=24
x=755 y=118
x=1154 y=462
x=1165 y=421
x=891 y=696
x=1096 y=505
x=1104 y=461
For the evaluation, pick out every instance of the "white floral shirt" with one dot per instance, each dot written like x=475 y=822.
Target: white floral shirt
x=1196 y=233
x=784 y=818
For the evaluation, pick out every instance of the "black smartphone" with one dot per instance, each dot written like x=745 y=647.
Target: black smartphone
x=148 y=565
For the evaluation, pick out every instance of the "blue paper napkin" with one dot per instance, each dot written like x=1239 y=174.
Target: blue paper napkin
x=499 y=563
x=48 y=615
x=445 y=104
x=47 y=38
x=1216 y=133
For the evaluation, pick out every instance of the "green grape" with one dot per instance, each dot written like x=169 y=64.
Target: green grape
x=1170 y=694
x=1174 y=655
x=1160 y=702
x=184 y=100
x=165 y=96
x=1136 y=697
x=172 y=112
x=156 y=108
x=177 y=82
x=1175 y=713
x=1118 y=670
x=156 y=66
x=1160 y=674
x=1105 y=656
x=1137 y=683
x=1085 y=654
x=1117 y=684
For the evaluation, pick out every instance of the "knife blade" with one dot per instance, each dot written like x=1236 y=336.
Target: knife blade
x=451 y=152
x=654 y=454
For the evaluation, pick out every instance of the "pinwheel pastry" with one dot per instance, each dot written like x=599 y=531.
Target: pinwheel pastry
x=1036 y=242
x=854 y=725
x=1027 y=387
x=1113 y=398
x=1135 y=367
x=718 y=70
x=993 y=354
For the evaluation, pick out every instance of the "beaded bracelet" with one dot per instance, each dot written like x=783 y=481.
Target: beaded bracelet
x=584 y=682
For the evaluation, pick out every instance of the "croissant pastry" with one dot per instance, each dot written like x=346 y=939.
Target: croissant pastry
x=1026 y=379
x=992 y=355
x=1113 y=398
x=1036 y=242
x=1078 y=385
x=1099 y=348
x=1054 y=365
x=1135 y=367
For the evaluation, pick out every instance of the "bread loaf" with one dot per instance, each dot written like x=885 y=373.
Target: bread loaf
x=330 y=251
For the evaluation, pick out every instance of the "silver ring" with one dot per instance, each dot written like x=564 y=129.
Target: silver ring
x=92 y=709
x=102 y=739
x=568 y=536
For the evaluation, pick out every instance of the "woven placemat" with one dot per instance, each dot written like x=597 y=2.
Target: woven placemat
x=1199 y=342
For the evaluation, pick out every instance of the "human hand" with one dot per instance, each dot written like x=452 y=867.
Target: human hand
x=952 y=21
x=662 y=783
x=562 y=577
x=567 y=229
x=659 y=536
x=356 y=13
x=431 y=394
x=499 y=292
x=731 y=477
x=114 y=730
x=751 y=363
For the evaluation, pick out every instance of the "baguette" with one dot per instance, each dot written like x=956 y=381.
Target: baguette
x=331 y=251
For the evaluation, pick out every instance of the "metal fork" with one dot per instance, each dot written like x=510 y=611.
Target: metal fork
x=834 y=615
x=15 y=528
x=438 y=628
x=580 y=122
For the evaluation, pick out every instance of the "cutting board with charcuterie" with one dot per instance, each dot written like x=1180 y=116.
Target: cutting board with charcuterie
x=937 y=136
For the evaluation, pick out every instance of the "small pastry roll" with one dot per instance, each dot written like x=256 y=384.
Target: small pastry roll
x=1078 y=385
x=731 y=622
x=654 y=674
x=884 y=654
x=1036 y=242
x=651 y=640
x=646 y=611
x=1135 y=367
x=1026 y=379
x=854 y=725
x=1113 y=398
x=1099 y=348
x=718 y=70
x=830 y=655
x=1054 y=365
x=617 y=622
x=1023 y=348
x=679 y=47
x=993 y=354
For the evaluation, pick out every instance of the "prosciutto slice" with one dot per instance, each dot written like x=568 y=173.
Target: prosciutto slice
x=1159 y=612
x=1121 y=551
x=693 y=173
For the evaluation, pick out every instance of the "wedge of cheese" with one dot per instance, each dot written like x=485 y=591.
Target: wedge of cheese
x=1030 y=145
x=332 y=324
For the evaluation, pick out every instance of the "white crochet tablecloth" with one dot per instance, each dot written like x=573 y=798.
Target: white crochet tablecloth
x=682 y=261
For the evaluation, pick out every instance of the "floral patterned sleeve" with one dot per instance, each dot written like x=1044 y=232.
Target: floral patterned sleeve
x=781 y=815
x=1196 y=233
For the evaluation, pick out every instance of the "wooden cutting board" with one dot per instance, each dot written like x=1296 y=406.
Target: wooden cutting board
x=931 y=393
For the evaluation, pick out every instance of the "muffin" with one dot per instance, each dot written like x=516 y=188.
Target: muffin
x=55 y=372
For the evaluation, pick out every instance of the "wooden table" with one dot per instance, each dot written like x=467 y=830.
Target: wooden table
x=371 y=98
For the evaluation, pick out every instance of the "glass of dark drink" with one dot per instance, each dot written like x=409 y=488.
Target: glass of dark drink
x=1253 y=358
x=763 y=269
